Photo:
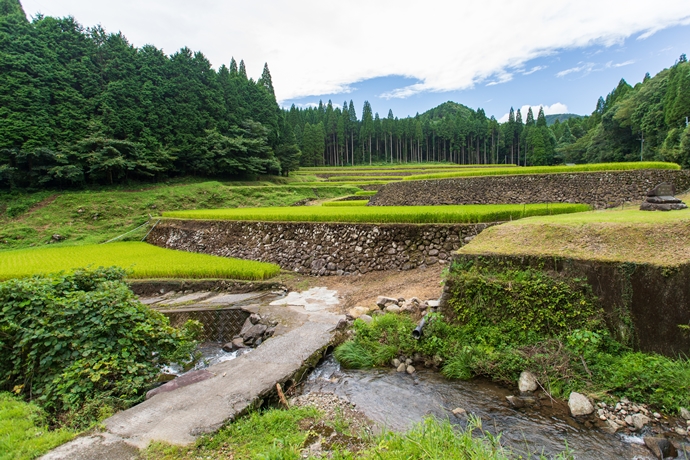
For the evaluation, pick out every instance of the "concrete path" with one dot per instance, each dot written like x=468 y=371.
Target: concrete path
x=178 y=417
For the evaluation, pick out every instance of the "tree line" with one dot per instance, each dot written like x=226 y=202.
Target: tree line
x=80 y=106
x=645 y=122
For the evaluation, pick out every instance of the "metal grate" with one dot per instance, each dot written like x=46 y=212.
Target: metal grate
x=219 y=325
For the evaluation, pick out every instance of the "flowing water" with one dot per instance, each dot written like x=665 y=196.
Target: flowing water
x=397 y=400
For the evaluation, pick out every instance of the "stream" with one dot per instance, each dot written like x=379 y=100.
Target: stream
x=397 y=400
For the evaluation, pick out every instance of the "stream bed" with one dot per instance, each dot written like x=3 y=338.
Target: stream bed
x=397 y=400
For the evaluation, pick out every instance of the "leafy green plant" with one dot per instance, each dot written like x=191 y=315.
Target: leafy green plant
x=69 y=339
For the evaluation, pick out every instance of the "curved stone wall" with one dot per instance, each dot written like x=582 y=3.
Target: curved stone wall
x=600 y=189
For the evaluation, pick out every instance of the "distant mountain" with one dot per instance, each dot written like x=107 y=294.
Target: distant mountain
x=448 y=108
x=561 y=117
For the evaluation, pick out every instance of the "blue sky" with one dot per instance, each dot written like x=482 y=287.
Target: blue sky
x=492 y=54
x=574 y=78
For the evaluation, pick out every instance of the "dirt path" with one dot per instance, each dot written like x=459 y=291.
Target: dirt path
x=424 y=283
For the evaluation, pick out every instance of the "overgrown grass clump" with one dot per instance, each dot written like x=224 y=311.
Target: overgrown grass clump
x=502 y=321
x=24 y=430
x=548 y=170
x=385 y=214
x=346 y=203
x=141 y=259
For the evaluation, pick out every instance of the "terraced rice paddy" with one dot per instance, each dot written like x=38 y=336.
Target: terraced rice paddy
x=546 y=170
x=384 y=214
x=346 y=203
x=143 y=260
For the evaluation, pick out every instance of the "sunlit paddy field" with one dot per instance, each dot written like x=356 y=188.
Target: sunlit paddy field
x=358 y=213
x=140 y=259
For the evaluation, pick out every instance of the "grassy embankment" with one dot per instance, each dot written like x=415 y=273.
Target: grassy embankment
x=140 y=259
x=503 y=171
x=95 y=216
x=629 y=235
x=286 y=434
x=384 y=214
x=503 y=319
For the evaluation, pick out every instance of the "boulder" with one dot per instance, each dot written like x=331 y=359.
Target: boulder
x=459 y=411
x=366 y=318
x=246 y=326
x=356 y=312
x=383 y=302
x=402 y=367
x=685 y=413
x=254 y=318
x=254 y=333
x=410 y=369
x=640 y=420
x=579 y=404
x=393 y=309
x=527 y=382
x=660 y=447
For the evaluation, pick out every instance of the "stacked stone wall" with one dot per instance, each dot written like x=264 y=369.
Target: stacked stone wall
x=319 y=248
x=600 y=189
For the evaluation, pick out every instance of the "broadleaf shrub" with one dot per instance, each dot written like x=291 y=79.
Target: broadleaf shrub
x=67 y=339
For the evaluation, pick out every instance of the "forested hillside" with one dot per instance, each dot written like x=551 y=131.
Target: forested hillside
x=83 y=106
x=653 y=110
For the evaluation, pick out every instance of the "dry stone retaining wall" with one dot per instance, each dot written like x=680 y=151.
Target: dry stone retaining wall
x=319 y=248
x=600 y=189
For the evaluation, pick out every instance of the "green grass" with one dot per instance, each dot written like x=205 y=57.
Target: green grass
x=144 y=261
x=24 y=432
x=95 y=216
x=393 y=167
x=361 y=178
x=384 y=214
x=548 y=170
x=366 y=193
x=346 y=203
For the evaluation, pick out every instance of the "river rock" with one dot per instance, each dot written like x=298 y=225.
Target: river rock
x=433 y=303
x=246 y=326
x=410 y=369
x=459 y=411
x=629 y=420
x=366 y=318
x=383 y=302
x=680 y=431
x=254 y=318
x=356 y=312
x=579 y=404
x=660 y=447
x=527 y=382
x=402 y=367
x=685 y=413
x=254 y=333
x=393 y=309
x=639 y=420
x=396 y=362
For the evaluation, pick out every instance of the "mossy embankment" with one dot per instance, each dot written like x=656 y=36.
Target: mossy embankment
x=636 y=263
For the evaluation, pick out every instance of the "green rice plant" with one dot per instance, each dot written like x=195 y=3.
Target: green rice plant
x=384 y=214
x=359 y=178
x=346 y=203
x=143 y=260
x=397 y=166
x=549 y=170
x=366 y=193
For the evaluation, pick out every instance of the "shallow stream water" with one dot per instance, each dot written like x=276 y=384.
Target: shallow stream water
x=397 y=400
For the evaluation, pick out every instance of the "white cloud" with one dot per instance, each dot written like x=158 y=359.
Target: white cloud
x=586 y=67
x=316 y=47
x=548 y=110
x=534 y=69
